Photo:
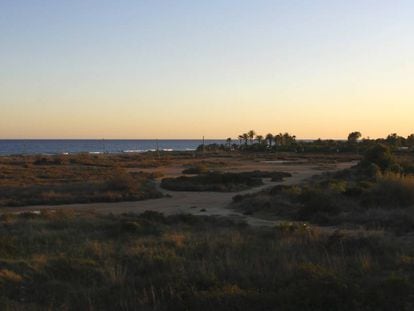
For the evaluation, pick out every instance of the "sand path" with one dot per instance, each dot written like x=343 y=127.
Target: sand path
x=199 y=203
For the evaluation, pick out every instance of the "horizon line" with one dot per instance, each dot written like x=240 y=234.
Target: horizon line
x=233 y=138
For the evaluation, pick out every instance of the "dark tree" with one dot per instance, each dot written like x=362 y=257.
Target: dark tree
x=379 y=155
x=354 y=137
x=269 y=138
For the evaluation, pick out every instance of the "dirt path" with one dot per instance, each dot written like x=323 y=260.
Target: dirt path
x=198 y=203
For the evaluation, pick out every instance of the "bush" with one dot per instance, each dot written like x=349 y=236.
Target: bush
x=393 y=191
x=221 y=182
x=379 y=155
x=317 y=201
x=196 y=169
x=121 y=181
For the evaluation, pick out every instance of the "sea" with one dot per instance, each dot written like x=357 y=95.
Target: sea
x=53 y=147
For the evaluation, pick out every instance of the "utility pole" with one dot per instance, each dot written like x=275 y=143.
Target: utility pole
x=158 y=148
x=203 y=145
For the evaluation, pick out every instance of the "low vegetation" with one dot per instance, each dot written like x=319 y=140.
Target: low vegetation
x=376 y=194
x=197 y=169
x=66 y=260
x=221 y=182
x=63 y=261
x=72 y=179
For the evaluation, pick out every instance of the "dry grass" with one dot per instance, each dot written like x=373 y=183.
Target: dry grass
x=393 y=190
x=73 y=179
x=220 y=182
x=348 y=198
x=195 y=263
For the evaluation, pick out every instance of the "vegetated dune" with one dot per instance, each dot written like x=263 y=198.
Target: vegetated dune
x=221 y=182
x=198 y=203
x=371 y=195
x=74 y=179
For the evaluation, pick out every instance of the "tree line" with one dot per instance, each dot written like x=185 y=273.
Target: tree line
x=251 y=137
x=252 y=141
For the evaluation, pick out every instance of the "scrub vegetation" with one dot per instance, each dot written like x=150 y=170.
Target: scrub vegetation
x=378 y=193
x=221 y=182
x=339 y=241
x=63 y=261
x=81 y=178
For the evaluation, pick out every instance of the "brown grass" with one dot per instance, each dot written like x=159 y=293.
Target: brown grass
x=183 y=262
x=78 y=178
x=394 y=190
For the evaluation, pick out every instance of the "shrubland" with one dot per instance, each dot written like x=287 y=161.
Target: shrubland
x=375 y=194
x=221 y=181
x=81 y=178
x=66 y=261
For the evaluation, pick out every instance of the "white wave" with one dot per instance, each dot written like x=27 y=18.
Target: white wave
x=134 y=151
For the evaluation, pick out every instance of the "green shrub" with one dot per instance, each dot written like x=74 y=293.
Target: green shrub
x=379 y=155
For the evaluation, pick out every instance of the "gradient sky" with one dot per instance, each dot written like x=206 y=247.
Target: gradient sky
x=183 y=69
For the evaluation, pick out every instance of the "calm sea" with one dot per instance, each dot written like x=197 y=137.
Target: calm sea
x=15 y=147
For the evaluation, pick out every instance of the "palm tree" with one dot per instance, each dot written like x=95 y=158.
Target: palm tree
x=278 y=139
x=228 y=140
x=410 y=140
x=251 y=135
x=259 y=139
x=240 y=139
x=269 y=138
x=288 y=139
x=245 y=138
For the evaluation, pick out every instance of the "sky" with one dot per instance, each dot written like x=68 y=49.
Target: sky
x=186 y=69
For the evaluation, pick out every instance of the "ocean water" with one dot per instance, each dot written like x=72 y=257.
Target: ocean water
x=16 y=147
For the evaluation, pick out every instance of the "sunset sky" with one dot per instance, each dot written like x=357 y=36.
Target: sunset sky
x=184 y=69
